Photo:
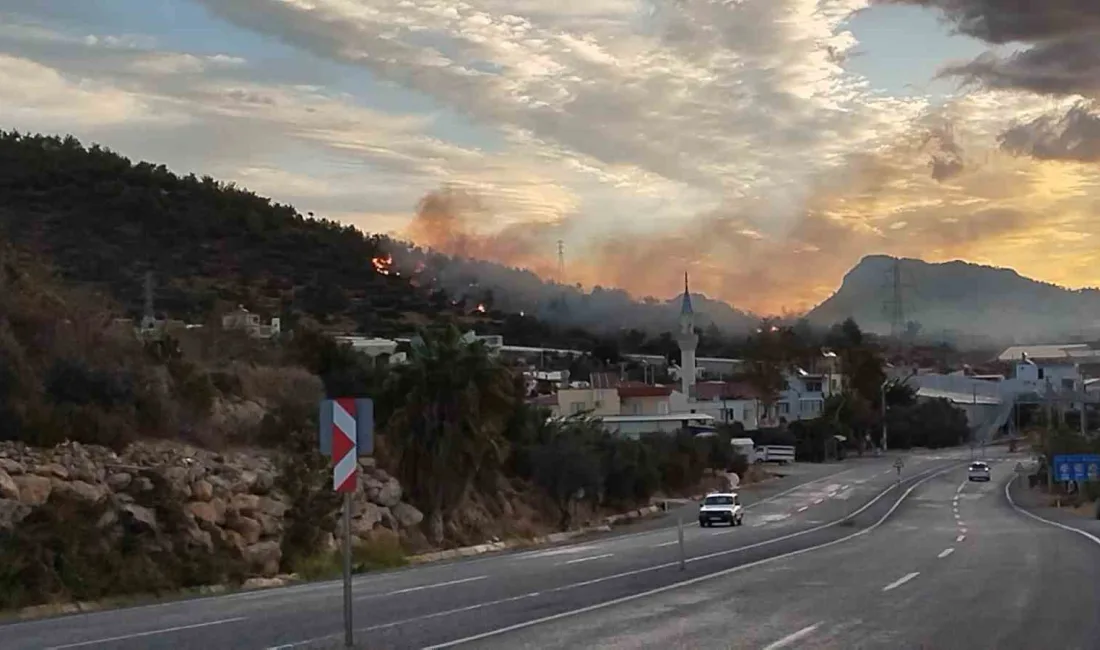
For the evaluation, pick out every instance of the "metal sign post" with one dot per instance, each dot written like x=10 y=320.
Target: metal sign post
x=346 y=432
x=680 y=539
x=898 y=464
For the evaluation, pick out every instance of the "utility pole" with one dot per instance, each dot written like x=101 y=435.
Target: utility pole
x=882 y=392
x=561 y=262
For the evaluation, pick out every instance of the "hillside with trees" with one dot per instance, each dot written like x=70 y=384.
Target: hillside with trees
x=105 y=222
x=455 y=438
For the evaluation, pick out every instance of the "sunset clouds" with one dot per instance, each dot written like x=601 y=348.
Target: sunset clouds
x=731 y=139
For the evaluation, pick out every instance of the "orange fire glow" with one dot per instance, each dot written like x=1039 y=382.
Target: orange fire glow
x=383 y=264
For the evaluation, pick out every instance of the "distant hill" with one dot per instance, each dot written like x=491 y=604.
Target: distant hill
x=105 y=221
x=600 y=310
x=961 y=302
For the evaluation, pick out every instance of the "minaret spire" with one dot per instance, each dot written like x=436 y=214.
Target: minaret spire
x=688 y=340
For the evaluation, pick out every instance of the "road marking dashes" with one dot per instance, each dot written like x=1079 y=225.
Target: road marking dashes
x=945 y=552
x=589 y=559
x=900 y=581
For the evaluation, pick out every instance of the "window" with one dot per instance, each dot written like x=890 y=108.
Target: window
x=747 y=414
x=813 y=387
x=719 y=500
x=784 y=408
x=1067 y=383
x=576 y=407
x=636 y=408
x=662 y=408
x=1040 y=373
x=786 y=385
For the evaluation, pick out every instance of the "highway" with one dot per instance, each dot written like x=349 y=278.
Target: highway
x=743 y=588
x=954 y=567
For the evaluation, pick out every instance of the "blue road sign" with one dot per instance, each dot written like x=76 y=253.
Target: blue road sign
x=1077 y=467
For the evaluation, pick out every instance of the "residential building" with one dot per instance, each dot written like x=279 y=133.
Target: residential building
x=729 y=402
x=594 y=401
x=240 y=319
x=803 y=395
x=641 y=399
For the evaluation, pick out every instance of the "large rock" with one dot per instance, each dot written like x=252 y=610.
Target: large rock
x=12 y=512
x=273 y=507
x=202 y=490
x=249 y=529
x=264 y=557
x=34 y=490
x=406 y=515
x=390 y=494
x=141 y=517
x=80 y=491
x=246 y=504
x=52 y=469
x=203 y=511
x=119 y=481
x=8 y=487
x=12 y=467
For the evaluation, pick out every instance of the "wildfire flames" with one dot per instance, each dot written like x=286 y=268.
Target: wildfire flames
x=383 y=264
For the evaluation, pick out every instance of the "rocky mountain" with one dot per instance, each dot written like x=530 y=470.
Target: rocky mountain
x=960 y=302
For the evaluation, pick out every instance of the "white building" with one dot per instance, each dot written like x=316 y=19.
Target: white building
x=243 y=320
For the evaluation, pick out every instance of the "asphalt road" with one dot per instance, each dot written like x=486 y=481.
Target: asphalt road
x=472 y=600
x=956 y=566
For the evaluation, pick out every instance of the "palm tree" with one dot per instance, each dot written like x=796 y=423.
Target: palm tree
x=451 y=403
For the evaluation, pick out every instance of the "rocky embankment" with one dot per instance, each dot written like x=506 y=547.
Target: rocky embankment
x=171 y=498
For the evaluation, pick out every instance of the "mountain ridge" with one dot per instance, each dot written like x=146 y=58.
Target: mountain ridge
x=960 y=299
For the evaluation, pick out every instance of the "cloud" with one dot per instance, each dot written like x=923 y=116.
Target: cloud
x=722 y=138
x=1063 y=35
x=710 y=94
x=1072 y=136
x=34 y=92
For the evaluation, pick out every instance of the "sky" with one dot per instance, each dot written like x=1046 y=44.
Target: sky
x=764 y=146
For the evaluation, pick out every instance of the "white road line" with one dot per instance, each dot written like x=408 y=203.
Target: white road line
x=675 y=541
x=590 y=558
x=139 y=635
x=791 y=638
x=1088 y=536
x=657 y=567
x=804 y=508
x=900 y=581
x=818 y=501
x=691 y=581
x=945 y=552
x=962 y=528
x=960 y=538
x=436 y=585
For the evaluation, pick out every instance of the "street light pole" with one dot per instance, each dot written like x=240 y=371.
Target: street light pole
x=882 y=391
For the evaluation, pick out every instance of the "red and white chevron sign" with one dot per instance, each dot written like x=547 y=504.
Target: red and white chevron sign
x=344 y=459
x=347 y=427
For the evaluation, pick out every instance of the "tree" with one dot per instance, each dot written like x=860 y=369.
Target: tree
x=568 y=467
x=454 y=402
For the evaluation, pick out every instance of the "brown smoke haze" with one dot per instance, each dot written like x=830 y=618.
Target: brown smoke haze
x=929 y=196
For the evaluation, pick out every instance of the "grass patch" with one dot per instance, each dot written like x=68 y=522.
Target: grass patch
x=369 y=556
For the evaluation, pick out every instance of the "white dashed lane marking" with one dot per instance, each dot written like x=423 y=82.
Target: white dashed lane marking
x=900 y=581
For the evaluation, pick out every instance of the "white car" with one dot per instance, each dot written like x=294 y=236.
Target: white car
x=721 y=507
x=978 y=471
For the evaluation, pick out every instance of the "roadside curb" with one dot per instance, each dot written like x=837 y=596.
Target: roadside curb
x=552 y=538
